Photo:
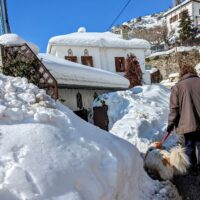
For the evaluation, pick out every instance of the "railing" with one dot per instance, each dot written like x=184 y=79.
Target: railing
x=20 y=60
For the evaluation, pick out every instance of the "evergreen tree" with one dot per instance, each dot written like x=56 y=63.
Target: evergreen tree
x=187 y=31
x=133 y=71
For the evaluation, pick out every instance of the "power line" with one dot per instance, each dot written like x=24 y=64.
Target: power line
x=117 y=17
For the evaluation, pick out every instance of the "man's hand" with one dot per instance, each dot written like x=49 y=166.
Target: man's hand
x=157 y=144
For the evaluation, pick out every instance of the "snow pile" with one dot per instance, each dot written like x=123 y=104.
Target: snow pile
x=48 y=153
x=175 y=49
x=138 y=115
x=91 y=39
x=148 y=21
x=71 y=73
x=12 y=39
x=171 y=81
x=82 y=30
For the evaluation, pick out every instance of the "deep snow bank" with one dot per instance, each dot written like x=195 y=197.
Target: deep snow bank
x=138 y=115
x=48 y=153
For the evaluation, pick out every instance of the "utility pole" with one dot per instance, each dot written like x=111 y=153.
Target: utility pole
x=5 y=26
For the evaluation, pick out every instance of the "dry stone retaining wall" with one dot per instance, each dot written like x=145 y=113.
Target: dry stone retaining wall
x=169 y=63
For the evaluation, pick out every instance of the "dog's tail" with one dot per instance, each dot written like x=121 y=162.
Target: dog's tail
x=179 y=160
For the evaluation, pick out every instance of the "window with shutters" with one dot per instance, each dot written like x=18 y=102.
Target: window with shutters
x=71 y=58
x=173 y=19
x=87 y=60
x=181 y=14
x=120 y=64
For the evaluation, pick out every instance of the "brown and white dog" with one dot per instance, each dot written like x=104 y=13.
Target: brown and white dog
x=165 y=164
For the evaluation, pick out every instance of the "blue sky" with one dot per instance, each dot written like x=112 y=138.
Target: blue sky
x=39 y=20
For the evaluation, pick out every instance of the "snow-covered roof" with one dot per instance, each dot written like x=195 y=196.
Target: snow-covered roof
x=70 y=73
x=12 y=39
x=89 y=39
x=178 y=6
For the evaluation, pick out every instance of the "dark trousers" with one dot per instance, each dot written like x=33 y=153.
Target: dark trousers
x=192 y=145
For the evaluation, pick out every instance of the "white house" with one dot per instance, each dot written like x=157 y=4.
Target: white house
x=79 y=85
x=174 y=15
x=105 y=51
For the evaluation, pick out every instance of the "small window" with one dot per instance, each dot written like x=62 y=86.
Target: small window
x=181 y=14
x=173 y=19
x=79 y=100
x=86 y=52
x=70 y=52
x=71 y=58
x=87 y=60
x=120 y=64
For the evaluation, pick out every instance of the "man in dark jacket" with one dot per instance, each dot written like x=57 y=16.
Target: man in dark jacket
x=185 y=112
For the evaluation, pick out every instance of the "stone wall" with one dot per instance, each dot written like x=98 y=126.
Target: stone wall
x=169 y=63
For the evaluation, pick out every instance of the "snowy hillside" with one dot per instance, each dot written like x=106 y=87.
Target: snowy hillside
x=48 y=153
x=148 y=21
x=151 y=28
x=145 y=22
x=138 y=115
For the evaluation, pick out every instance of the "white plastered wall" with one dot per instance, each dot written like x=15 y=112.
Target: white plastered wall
x=69 y=97
x=196 y=11
x=62 y=51
x=103 y=58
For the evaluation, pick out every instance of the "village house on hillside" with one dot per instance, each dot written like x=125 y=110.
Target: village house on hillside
x=174 y=15
x=105 y=51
